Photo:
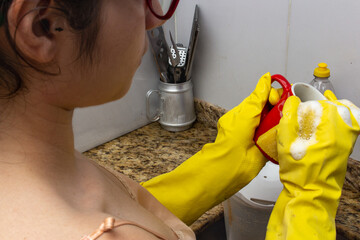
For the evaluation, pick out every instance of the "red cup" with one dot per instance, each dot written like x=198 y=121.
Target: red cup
x=270 y=117
x=265 y=134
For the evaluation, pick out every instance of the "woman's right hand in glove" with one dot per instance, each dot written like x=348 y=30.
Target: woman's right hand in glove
x=314 y=141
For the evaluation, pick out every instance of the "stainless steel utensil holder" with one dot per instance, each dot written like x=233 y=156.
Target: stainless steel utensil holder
x=176 y=110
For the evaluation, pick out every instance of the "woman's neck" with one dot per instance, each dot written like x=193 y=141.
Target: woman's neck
x=36 y=139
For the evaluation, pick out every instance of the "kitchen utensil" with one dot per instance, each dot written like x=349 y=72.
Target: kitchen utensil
x=176 y=61
x=159 y=49
x=182 y=54
x=161 y=52
x=174 y=64
x=178 y=72
x=265 y=134
x=174 y=55
x=192 y=43
x=176 y=111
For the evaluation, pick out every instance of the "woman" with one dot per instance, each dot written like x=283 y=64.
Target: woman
x=55 y=56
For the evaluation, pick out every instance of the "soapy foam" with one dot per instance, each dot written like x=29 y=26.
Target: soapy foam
x=344 y=114
x=354 y=109
x=309 y=117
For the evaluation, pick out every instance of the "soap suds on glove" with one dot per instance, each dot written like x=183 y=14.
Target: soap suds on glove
x=344 y=114
x=309 y=116
x=354 y=110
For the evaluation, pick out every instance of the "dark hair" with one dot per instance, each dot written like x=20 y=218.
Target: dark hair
x=82 y=16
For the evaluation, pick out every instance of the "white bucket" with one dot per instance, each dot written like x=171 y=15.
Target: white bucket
x=247 y=212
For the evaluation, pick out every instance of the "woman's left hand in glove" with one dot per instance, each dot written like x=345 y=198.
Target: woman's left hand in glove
x=221 y=168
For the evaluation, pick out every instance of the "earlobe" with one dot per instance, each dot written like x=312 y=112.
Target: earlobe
x=31 y=27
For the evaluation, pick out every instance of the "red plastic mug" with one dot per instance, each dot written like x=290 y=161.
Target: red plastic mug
x=265 y=134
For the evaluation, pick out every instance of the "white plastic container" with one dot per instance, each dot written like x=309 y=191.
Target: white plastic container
x=247 y=212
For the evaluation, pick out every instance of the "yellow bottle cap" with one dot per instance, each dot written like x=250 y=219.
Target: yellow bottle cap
x=322 y=71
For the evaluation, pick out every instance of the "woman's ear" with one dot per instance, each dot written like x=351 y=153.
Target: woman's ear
x=32 y=27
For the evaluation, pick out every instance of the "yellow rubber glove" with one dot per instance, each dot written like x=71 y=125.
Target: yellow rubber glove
x=275 y=95
x=221 y=168
x=330 y=95
x=314 y=141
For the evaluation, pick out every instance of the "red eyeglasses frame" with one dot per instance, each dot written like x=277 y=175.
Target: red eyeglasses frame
x=170 y=12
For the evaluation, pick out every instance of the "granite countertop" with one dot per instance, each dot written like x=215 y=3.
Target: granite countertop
x=150 y=151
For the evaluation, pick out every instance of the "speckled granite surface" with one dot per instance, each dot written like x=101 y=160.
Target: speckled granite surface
x=151 y=150
x=348 y=215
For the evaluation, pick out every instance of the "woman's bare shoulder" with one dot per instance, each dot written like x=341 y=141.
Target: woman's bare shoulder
x=50 y=226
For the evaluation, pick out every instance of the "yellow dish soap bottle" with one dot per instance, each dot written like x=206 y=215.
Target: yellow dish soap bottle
x=321 y=81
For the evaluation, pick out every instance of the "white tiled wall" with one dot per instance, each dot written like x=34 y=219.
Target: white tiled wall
x=240 y=40
x=331 y=35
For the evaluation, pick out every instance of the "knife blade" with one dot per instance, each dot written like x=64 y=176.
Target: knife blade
x=192 y=43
